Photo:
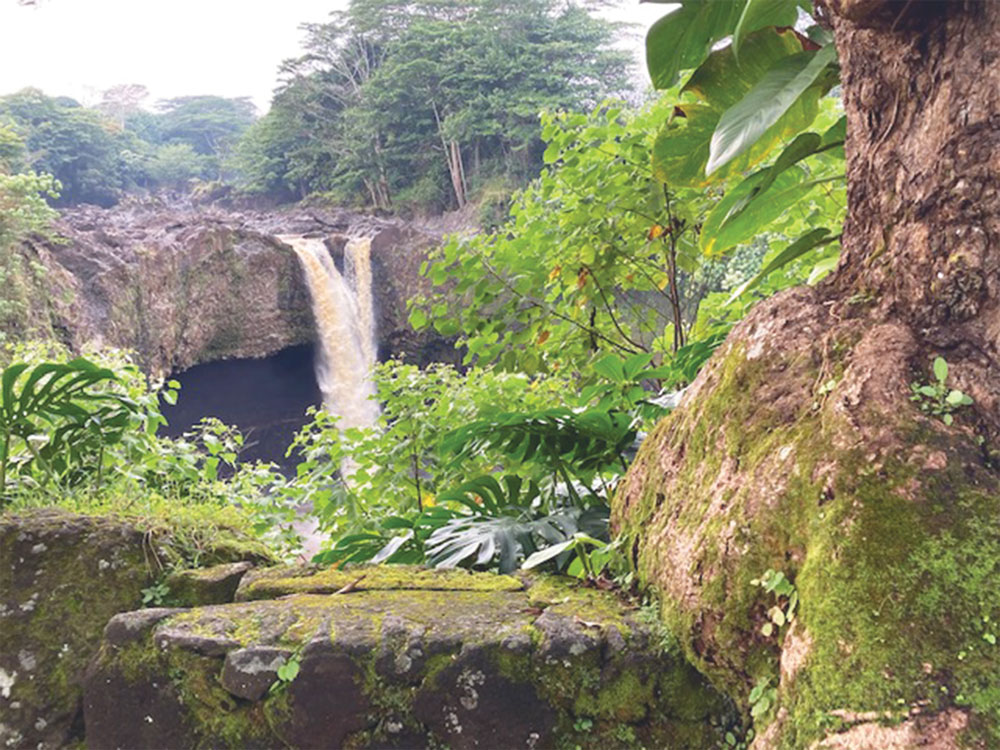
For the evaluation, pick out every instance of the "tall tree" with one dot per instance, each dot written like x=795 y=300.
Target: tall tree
x=69 y=142
x=832 y=438
x=433 y=98
x=211 y=125
x=120 y=102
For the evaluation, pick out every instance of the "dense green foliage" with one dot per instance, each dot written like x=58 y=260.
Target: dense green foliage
x=23 y=212
x=423 y=104
x=572 y=276
x=520 y=475
x=646 y=235
x=97 y=154
x=82 y=433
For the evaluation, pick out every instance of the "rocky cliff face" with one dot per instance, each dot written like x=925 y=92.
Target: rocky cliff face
x=181 y=285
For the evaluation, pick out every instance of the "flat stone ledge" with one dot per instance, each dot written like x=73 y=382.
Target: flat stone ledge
x=492 y=661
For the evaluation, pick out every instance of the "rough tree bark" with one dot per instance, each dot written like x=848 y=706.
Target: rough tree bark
x=799 y=449
x=922 y=94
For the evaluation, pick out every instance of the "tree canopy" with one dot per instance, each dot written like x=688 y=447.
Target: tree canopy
x=424 y=102
x=97 y=154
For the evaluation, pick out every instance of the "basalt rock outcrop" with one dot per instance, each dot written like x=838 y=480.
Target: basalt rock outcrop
x=62 y=577
x=396 y=658
x=181 y=284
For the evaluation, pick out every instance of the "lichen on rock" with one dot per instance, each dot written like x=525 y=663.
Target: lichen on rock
x=63 y=576
x=417 y=659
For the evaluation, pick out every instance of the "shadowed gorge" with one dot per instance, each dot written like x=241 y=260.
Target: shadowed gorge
x=266 y=399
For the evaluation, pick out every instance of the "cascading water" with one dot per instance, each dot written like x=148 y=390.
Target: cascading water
x=345 y=324
x=359 y=275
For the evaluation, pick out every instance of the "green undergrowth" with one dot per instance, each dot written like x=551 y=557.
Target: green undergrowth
x=192 y=533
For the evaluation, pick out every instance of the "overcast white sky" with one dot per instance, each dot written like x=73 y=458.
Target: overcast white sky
x=174 y=47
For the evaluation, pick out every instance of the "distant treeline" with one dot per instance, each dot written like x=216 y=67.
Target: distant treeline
x=99 y=153
x=419 y=105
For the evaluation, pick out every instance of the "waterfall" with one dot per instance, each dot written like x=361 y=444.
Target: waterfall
x=345 y=327
x=358 y=253
x=345 y=324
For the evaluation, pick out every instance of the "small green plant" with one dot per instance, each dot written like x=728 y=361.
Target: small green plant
x=583 y=725
x=937 y=398
x=782 y=613
x=287 y=672
x=155 y=595
x=988 y=631
x=738 y=740
x=664 y=640
x=762 y=698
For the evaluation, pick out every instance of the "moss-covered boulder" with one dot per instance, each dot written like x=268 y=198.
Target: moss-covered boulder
x=798 y=450
x=402 y=658
x=197 y=587
x=62 y=577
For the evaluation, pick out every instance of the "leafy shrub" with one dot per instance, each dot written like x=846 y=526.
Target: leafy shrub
x=490 y=494
x=55 y=421
x=83 y=434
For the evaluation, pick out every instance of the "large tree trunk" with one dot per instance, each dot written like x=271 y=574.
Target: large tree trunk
x=922 y=94
x=798 y=448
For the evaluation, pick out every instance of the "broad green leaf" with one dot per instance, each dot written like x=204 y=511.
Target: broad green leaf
x=682 y=147
x=9 y=377
x=610 y=367
x=764 y=105
x=549 y=553
x=957 y=398
x=417 y=318
x=940 y=369
x=636 y=363
x=836 y=133
x=804 y=145
x=682 y=39
x=722 y=82
x=763 y=210
x=798 y=248
x=680 y=151
x=738 y=217
x=392 y=547
x=760 y=13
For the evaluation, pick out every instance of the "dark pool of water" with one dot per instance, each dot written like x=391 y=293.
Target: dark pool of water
x=265 y=398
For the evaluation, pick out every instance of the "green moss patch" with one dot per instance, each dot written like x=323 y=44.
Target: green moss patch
x=275 y=582
x=885 y=521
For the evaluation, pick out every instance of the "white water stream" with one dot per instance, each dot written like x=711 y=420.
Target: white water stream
x=343 y=309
